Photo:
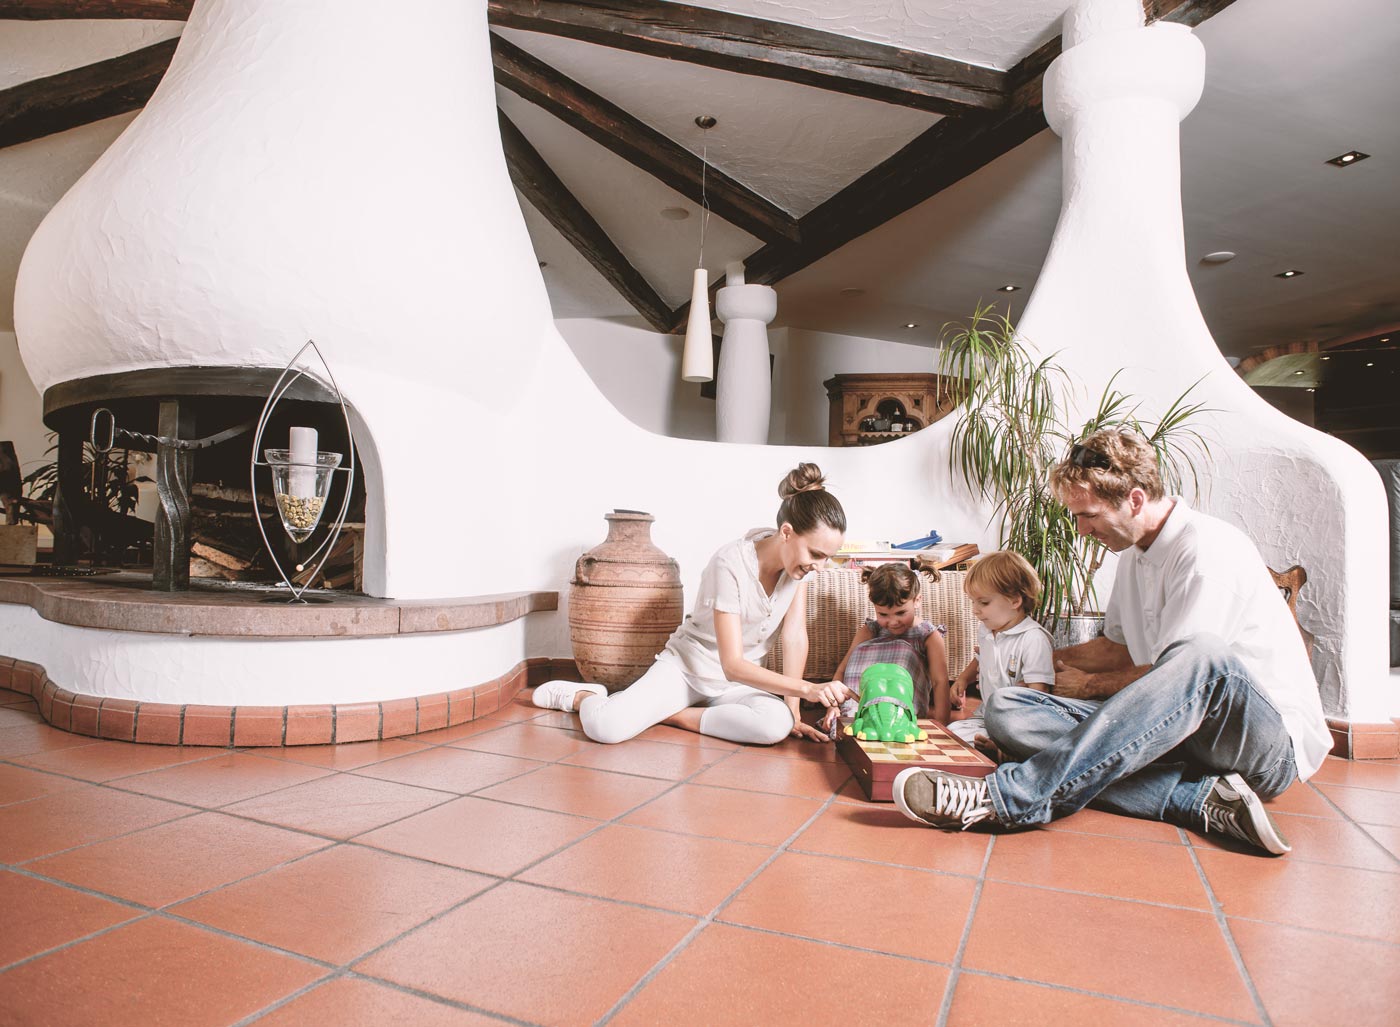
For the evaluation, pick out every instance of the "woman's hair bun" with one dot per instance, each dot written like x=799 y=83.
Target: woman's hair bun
x=804 y=477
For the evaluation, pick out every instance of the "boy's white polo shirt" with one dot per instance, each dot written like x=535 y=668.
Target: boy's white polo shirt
x=1204 y=576
x=1022 y=654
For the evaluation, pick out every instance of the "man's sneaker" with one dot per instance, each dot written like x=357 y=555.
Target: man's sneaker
x=1232 y=808
x=559 y=695
x=940 y=799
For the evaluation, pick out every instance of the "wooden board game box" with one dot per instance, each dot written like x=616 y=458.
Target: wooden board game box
x=876 y=763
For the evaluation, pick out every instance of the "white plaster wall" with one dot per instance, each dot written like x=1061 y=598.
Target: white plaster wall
x=236 y=671
x=1114 y=293
x=807 y=358
x=211 y=232
x=21 y=407
x=639 y=371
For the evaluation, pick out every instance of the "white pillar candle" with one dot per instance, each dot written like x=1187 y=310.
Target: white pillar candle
x=302 y=478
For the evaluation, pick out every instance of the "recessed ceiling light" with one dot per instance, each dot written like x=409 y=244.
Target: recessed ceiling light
x=1297 y=372
x=1346 y=160
x=911 y=324
x=1326 y=358
x=674 y=213
x=706 y=121
x=544 y=263
x=1370 y=363
x=1290 y=273
x=1218 y=257
x=1312 y=390
x=1009 y=288
x=853 y=292
x=1386 y=339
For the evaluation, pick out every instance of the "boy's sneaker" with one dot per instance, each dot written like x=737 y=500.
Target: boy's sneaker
x=1233 y=809
x=559 y=695
x=940 y=799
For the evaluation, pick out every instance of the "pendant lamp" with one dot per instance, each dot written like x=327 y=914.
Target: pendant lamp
x=698 y=357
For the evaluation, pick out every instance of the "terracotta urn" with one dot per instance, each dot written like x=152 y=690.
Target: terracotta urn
x=624 y=602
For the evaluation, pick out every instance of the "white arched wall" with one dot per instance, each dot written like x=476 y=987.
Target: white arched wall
x=1114 y=293
x=213 y=232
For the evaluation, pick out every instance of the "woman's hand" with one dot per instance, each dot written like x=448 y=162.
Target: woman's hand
x=830 y=693
x=801 y=729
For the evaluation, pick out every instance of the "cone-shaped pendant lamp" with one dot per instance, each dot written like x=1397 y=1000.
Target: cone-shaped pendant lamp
x=698 y=358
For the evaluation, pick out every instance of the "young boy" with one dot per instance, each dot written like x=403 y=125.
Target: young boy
x=1012 y=649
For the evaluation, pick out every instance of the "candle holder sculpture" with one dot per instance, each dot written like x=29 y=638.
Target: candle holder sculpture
x=302 y=476
x=299 y=501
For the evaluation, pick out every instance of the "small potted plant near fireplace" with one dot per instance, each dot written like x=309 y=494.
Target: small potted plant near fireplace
x=1015 y=427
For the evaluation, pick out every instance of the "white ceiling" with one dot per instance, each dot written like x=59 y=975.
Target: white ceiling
x=1289 y=84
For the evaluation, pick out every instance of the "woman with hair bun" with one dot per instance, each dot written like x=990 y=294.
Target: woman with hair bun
x=709 y=677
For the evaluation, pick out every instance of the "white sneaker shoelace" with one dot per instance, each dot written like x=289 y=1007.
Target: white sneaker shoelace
x=963 y=799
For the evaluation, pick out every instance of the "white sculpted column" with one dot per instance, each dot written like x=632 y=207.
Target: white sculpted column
x=744 y=382
x=1114 y=298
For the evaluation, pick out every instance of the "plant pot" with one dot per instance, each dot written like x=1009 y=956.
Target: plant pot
x=1074 y=630
x=624 y=602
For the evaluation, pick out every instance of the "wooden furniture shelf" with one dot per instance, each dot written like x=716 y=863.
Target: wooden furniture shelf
x=916 y=400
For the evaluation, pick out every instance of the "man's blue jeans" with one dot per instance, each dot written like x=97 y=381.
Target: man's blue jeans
x=1153 y=750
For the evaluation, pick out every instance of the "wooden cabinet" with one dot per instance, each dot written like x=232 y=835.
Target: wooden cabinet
x=865 y=408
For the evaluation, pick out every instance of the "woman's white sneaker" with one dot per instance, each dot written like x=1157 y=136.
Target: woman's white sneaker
x=559 y=695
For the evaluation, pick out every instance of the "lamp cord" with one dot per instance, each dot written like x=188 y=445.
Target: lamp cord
x=704 y=199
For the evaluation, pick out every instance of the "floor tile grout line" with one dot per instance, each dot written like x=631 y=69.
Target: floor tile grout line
x=1125 y=999
x=704 y=922
x=955 y=971
x=345 y=973
x=1361 y=825
x=1339 y=935
x=213 y=754
x=502 y=879
x=142 y=915
x=1223 y=924
x=190 y=811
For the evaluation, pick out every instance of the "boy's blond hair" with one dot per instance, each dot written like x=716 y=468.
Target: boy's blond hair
x=1008 y=574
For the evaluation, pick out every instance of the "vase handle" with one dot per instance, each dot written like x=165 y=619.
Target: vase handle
x=583 y=569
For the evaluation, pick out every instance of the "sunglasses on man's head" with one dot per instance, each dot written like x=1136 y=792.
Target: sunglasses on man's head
x=1083 y=456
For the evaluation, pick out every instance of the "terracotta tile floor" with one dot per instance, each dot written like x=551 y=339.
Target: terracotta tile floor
x=514 y=872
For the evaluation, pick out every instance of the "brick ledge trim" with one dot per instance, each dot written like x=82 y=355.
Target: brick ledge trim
x=1354 y=740
x=127 y=720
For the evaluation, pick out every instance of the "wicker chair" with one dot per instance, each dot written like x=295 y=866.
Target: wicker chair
x=837 y=605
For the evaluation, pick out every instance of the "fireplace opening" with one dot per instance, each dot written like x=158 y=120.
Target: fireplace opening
x=198 y=424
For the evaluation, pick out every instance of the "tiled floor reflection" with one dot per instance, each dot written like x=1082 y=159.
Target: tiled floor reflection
x=518 y=873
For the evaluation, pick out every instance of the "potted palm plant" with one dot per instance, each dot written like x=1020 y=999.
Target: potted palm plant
x=1016 y=426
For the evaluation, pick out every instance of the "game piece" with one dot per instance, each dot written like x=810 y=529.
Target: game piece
x=886 y=711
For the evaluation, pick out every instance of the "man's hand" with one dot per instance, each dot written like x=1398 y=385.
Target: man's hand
x=1072 y=683
x=957 y=695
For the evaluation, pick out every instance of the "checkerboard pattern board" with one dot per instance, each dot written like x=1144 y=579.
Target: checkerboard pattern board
x=876 y=763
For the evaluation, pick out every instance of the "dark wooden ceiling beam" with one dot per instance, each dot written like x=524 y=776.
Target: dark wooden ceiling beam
x=638 y=143
x=547 y=194
x=938 y=158
x=41 y=10
x=1183 y=12
x=770 y=49
x=43 y=106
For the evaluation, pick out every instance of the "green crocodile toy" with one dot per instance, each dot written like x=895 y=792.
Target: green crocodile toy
x=886 y=712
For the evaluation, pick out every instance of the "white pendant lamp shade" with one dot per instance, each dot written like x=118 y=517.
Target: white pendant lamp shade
x=698 y=358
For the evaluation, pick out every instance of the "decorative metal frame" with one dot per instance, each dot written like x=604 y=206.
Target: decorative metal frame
x=279 y=388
